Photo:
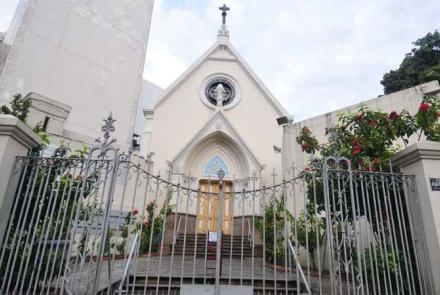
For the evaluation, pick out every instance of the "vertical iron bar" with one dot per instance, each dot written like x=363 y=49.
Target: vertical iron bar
x=210 y=199
x=101 y=164
x=396 y=255
x=164 y=223
x=263 y=191
x=342 y=198
x=336 y=213
x=390 y=229
x=130 y=221
x=232 y=204
x=402 y=222
x=182 y=268
x=286 y=235
x=109 y=203
x=198 y=201
x=53 y=197
x=63 y=207
x=383 y=236
x=243 y=193
x=174 y=237
x=79 y=196
x=358 y=245
x=274 y=208
x=318 y=230
x=33 y=228
x=219 y=234
x=156 y=193
x=253 y=196
x=306 y=217
x=60 y=235
x=328 y=224
x=379 y=228
x=15 y=245
x=397 y=210
x=367 y=214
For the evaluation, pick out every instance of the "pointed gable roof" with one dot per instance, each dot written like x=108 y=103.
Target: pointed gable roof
x=213 y=54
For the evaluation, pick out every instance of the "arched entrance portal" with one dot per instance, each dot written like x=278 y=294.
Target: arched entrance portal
x=214 y=152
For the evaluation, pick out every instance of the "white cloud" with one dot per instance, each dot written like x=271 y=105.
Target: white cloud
x=315 y=56
x=7 y=8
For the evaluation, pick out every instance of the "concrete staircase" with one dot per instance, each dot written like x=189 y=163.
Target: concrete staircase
x=237 y=245
x=166 y=285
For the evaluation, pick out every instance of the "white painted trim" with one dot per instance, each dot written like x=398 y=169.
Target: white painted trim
x=201 y=134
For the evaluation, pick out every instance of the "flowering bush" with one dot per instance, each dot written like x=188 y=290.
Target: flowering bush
x=427 y=118
x=308 y=142
x=147 y=222
x=368 y=137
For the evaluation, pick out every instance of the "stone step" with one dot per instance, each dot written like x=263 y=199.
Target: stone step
x=167 y=285
x=203 y=246
x=176 y=281
x=226 y=252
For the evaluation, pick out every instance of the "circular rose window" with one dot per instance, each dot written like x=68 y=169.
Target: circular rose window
x=220 y=92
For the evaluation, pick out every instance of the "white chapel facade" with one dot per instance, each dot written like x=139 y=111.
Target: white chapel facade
x=217 y=114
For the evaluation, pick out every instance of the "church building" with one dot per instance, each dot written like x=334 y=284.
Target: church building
x=217 y=115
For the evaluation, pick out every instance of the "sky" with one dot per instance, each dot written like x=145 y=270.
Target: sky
x=315 y=56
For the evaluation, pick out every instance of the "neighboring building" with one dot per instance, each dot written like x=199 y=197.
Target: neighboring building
x=87 y=57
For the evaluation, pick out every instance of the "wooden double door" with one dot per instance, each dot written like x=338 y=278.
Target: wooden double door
x=208 y=207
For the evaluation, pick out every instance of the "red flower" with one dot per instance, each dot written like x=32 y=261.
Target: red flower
x=354 y=141
x=423 y=107
x=376 y=161
x=393 y=115
x=356 y=150
x=304 y=147
x=372 y=123
x=135 y=211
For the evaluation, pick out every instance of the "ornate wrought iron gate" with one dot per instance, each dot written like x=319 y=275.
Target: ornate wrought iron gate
x=101 y=222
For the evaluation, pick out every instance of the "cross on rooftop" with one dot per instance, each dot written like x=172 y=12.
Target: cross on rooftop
x=224 y=8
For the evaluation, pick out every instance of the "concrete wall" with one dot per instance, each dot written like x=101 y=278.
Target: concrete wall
x=86 y=54
x=408 y=99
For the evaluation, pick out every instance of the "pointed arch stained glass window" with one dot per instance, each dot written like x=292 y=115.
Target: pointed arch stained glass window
x=214 y=166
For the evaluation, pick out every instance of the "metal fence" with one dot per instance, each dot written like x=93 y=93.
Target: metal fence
x=102 y=223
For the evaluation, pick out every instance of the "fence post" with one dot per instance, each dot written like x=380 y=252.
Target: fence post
x=218 y=260
x=16 y=139
x=423 y=161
